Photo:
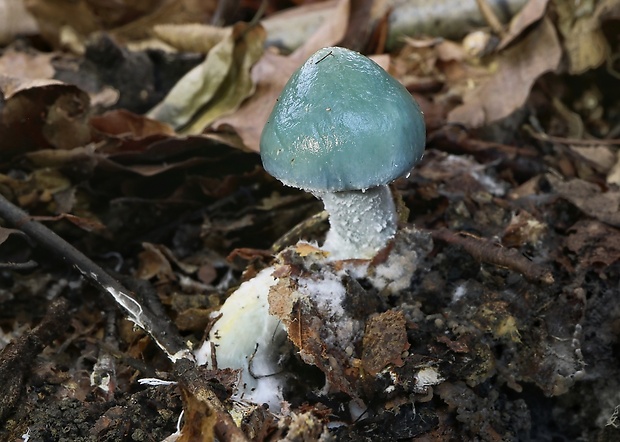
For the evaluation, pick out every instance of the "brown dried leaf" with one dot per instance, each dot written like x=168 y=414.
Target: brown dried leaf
x=238 y=84
x=531 y=12
x=507 y=89
x=121 y=123
x=86 y=224
x=39 y=114
x=590 y=199
x=199 y=420
x=385 y=340
x=11 y=85
x=5 y=233
x=601 y=158
x=25 y=65
x=594 y=243
x=191 y=37
x=153 y=263
x=66 y=125
x=270 y=75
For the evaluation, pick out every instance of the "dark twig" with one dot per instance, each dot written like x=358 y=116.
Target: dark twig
x=483 y=250
x=490 y=17
x=163 y=332
x=28 y=265
x=574 y=141
x=17 y=359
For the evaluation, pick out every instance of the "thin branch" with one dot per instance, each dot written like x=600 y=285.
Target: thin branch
x=163 y=332
x=483 y=250
x=17 y=359
x=574 y=141
x=490 y=17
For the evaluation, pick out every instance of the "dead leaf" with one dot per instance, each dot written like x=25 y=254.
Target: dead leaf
x=124 y=124
x=23 y=65
x=11 y=85
x=584 y=42
x=191 y=37
x=508 y=87
x=14 y=248
x=531 y=12
x=589 y=198
x=86 y=224
x=35 y=110
x=385 y=340
x=66 y=122
x=594 y=243
x=601 y=158
x=153 y=263
x=199 y=420
x=217 y=86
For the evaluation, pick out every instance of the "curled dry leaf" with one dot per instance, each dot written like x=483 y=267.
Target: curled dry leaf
x=23 y=65
x=584 y=42
x=594 y=243
x=34 y=110
x=124 y=124
x=589 y=198
x=531 y=12
x=154 y=263
x=217 y=86
x=191 y=37
x=508 y=86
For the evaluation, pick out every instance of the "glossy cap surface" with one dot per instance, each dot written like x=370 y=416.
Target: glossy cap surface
x=342 y=123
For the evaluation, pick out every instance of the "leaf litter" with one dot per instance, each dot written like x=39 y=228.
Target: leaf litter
x=491 y=316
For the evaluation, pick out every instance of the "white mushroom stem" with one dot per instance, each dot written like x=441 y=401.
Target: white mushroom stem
x=247 y=338
x=361 y=222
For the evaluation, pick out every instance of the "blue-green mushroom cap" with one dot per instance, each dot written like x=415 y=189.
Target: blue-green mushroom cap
x=342 y=123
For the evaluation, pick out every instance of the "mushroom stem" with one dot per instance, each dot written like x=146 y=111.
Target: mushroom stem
x=361 y=221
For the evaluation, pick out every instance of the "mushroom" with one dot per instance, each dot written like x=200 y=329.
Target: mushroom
x=247 y=338
x=343 y=129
